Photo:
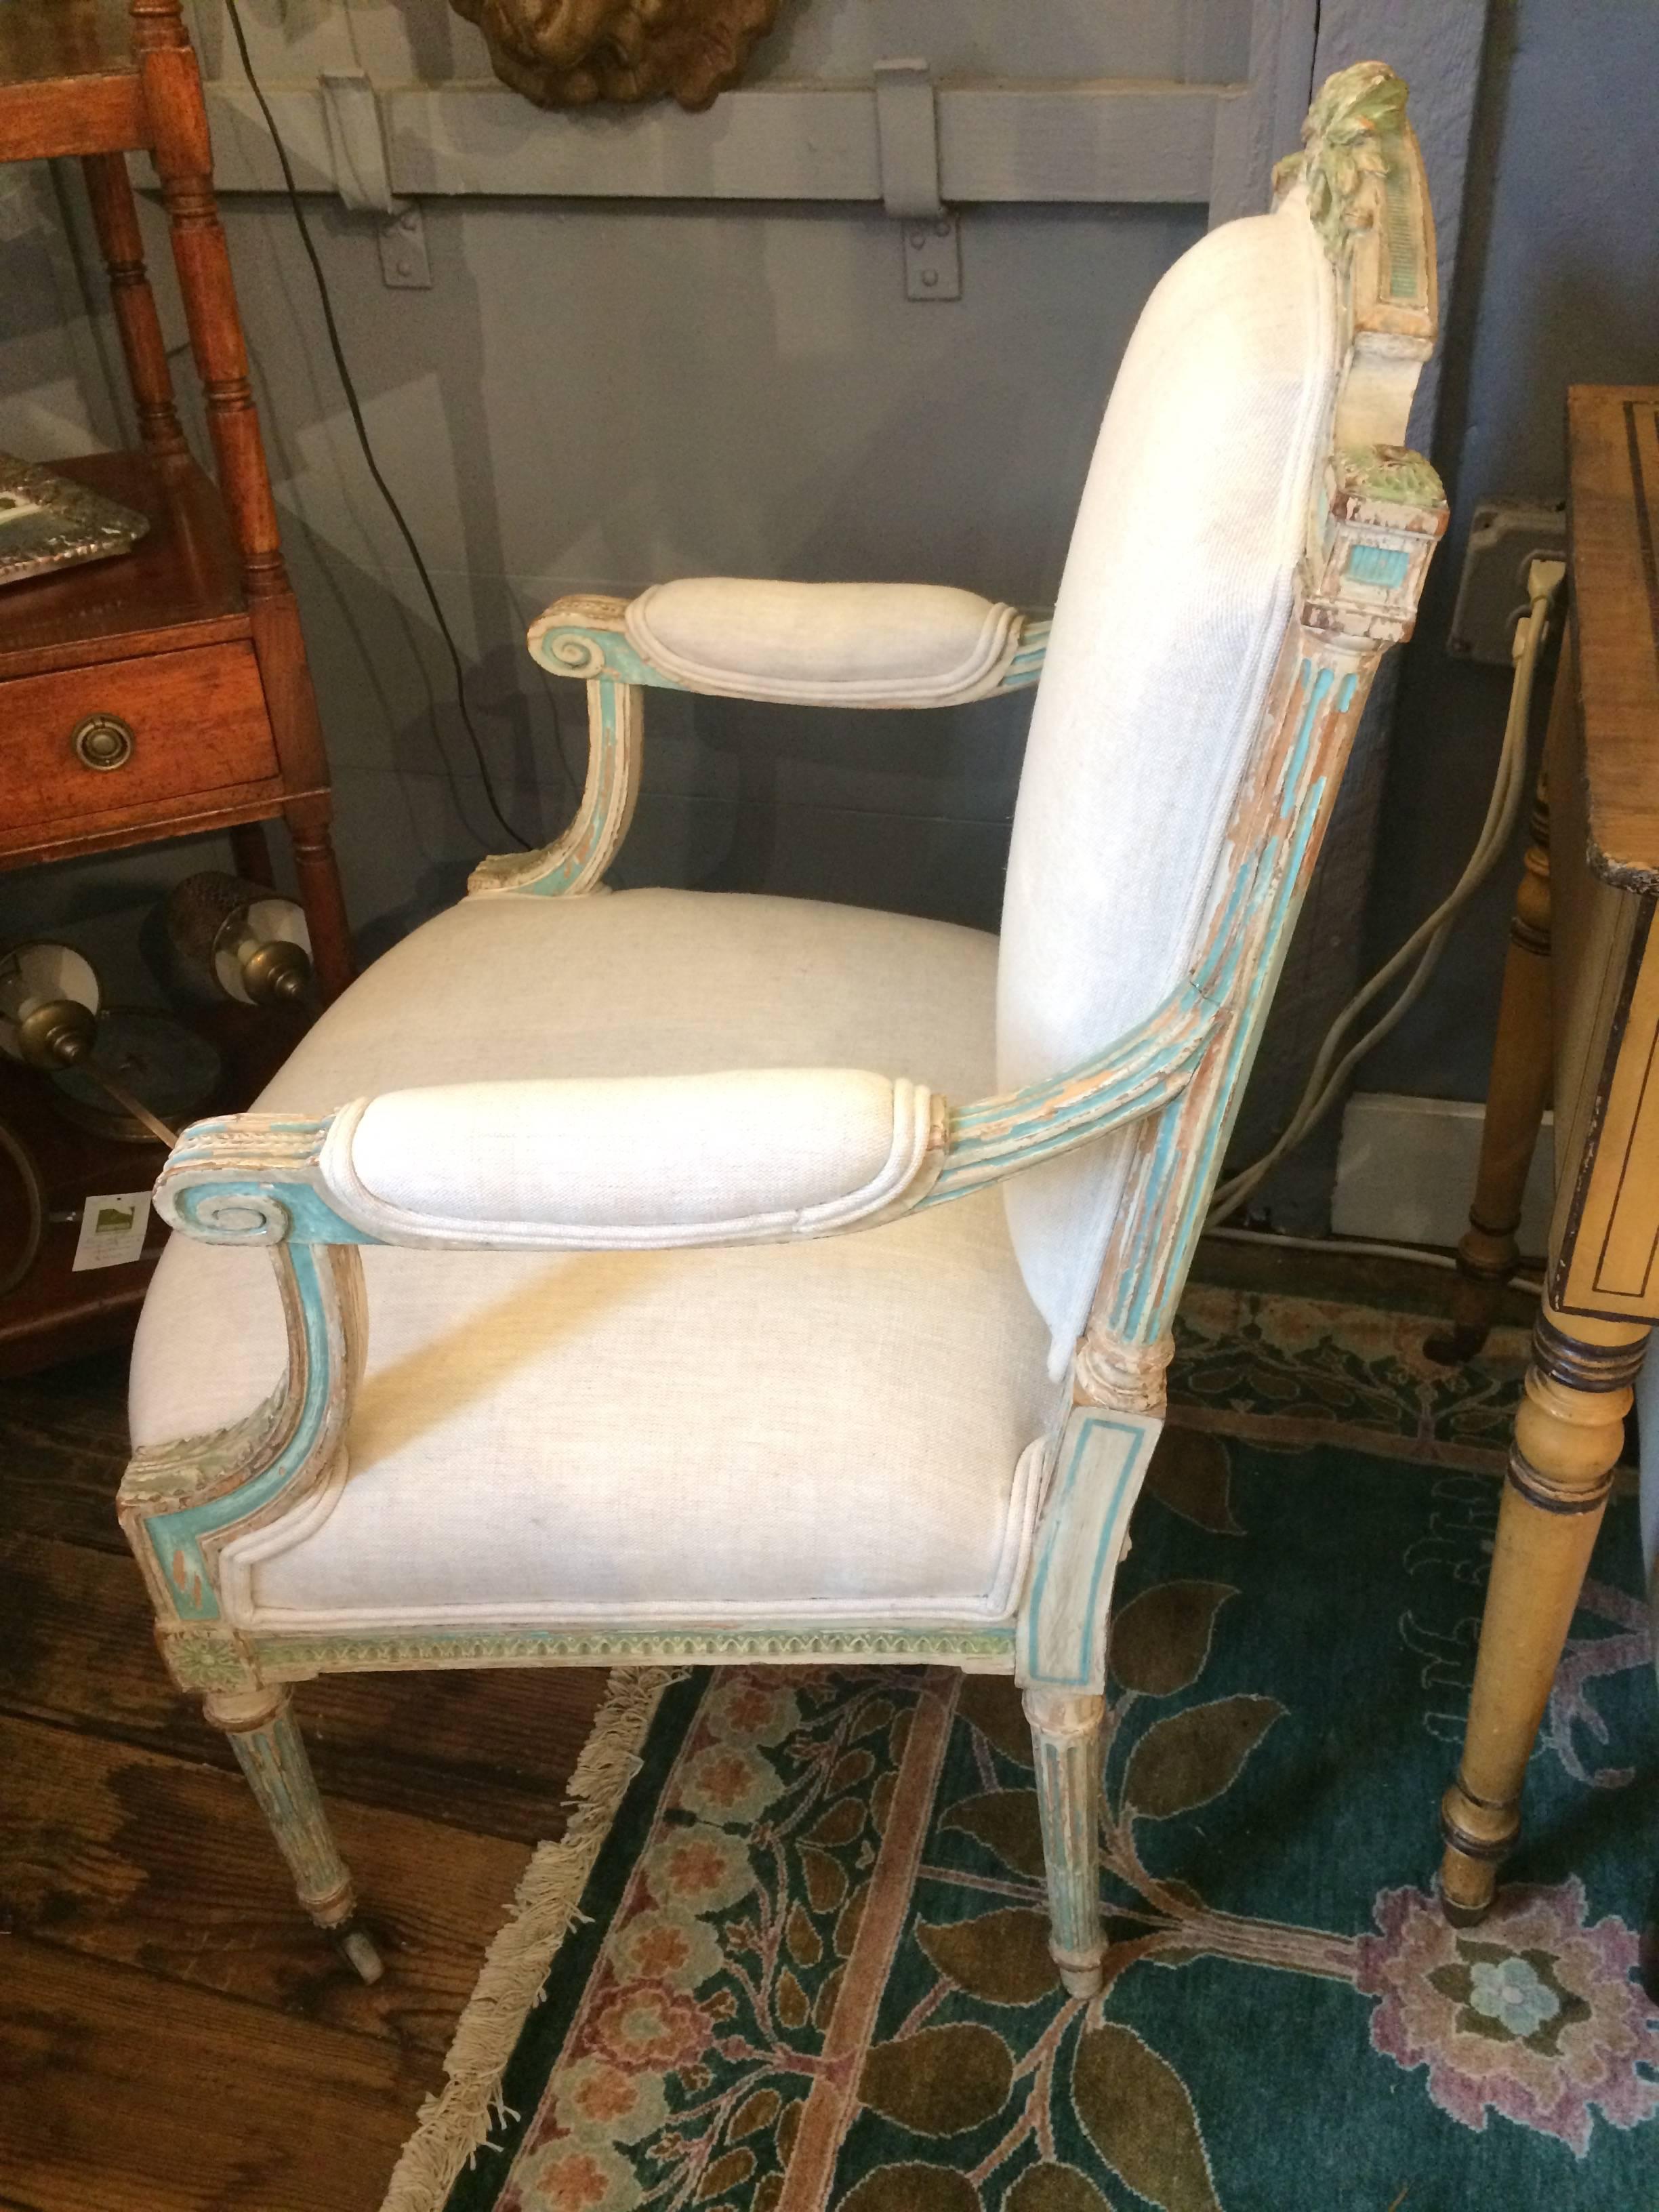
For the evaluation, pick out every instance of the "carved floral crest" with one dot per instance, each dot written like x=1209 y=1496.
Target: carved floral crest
x=1345 y=148
x=572 y=53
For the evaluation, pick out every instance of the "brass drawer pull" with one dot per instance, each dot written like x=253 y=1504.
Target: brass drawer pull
x=103 y=742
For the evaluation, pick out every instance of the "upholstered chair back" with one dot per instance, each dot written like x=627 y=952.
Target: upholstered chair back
x=1178 y=589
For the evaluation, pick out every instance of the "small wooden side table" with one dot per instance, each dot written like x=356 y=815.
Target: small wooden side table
x=1580 y=1014
x=189 y=648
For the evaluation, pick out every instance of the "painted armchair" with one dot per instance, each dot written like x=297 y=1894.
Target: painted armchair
x=609 y=1353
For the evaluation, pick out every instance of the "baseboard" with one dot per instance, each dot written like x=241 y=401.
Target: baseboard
x=1405 y=1172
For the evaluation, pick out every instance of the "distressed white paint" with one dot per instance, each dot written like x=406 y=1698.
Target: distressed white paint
x=1436 y=45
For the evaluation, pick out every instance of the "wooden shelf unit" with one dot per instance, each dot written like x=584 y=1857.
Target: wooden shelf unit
x=101 y=78
x=192 y=643
x=69 y=80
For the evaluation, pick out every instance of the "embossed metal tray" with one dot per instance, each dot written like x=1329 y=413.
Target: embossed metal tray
x=48 y=522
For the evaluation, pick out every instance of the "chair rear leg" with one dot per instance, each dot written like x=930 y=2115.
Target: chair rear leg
x=265 y=1738
x=1065 y=1728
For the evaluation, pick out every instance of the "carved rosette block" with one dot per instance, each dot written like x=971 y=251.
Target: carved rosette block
x=575 y=53
x=1066 y=1737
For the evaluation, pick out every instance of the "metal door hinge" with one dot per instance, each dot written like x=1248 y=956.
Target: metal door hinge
x=906 y=138
x=363 y=177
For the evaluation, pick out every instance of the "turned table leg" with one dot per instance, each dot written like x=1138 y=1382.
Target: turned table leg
x=1517 y=1093
x=321 y=894
x=1568 y=1434
x=115 y=216
x=250 y=851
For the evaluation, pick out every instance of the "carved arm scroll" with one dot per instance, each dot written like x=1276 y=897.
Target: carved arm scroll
x=582 y=636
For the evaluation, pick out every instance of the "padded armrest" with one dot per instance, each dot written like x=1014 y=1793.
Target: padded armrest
x=637 y=1162
x=632 y=1162
x=845 y=645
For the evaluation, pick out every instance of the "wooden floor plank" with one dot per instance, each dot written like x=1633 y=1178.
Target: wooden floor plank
x=128 y=1856
x=121 y=2094
x=174 y=2037
x=65 y=1435
x=490 y=1751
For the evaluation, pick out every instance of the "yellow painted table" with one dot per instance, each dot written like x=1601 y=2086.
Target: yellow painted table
x=1580 y=1017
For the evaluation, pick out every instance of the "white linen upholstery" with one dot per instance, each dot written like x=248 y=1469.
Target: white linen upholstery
x=843 y=645
x=843 y=1428
x=634 y=1161
x=1175 y=596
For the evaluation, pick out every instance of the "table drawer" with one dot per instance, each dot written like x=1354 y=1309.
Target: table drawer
x=129 y=733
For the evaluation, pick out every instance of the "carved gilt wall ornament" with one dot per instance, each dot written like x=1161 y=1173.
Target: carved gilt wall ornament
x=571 y=53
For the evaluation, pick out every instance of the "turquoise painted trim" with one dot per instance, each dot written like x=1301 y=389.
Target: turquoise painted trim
x=1144 y=1317
x=198 y=1140
x=1296 y=764
x=1026 y=667
x=1214 y=975
x=602 y=781
x=176 y=1538
x=273 y=1759
x=1039 y=1128
x=1035 y=1103
x=1061 y=1533
x=1126 y=1082
x=1384 y=565
x=1141 y=1292
x=1400 y=234
x=613 y=657
x=312 y=1219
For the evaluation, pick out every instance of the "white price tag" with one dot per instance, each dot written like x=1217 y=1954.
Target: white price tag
x=112 y=1230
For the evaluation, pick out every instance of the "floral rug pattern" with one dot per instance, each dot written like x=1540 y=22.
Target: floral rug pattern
x=813 y=1976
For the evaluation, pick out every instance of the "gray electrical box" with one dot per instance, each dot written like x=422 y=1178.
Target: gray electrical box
x=1506 y=537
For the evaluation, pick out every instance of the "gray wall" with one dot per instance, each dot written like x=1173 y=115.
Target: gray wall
x=1561 y=247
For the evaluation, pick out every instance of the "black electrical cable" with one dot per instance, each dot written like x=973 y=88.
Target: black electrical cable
x=34 y=1211
x=358 y=424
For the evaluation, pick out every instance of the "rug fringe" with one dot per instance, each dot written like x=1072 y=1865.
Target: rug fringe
x=453 y=2124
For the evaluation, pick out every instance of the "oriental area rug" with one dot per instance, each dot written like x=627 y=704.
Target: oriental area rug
x=791 y=1954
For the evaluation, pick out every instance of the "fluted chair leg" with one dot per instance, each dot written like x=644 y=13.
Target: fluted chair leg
x=1065 y=1732
x=265 y=1738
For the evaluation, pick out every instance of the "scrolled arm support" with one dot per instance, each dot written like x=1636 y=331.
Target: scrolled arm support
x=581 y=636
x=181 y=1501
x=588 y=637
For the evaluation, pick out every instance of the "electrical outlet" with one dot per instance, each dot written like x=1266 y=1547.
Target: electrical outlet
x=1506 y=536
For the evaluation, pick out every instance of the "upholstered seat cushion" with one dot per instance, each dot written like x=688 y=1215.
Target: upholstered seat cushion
x=834 y=1428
